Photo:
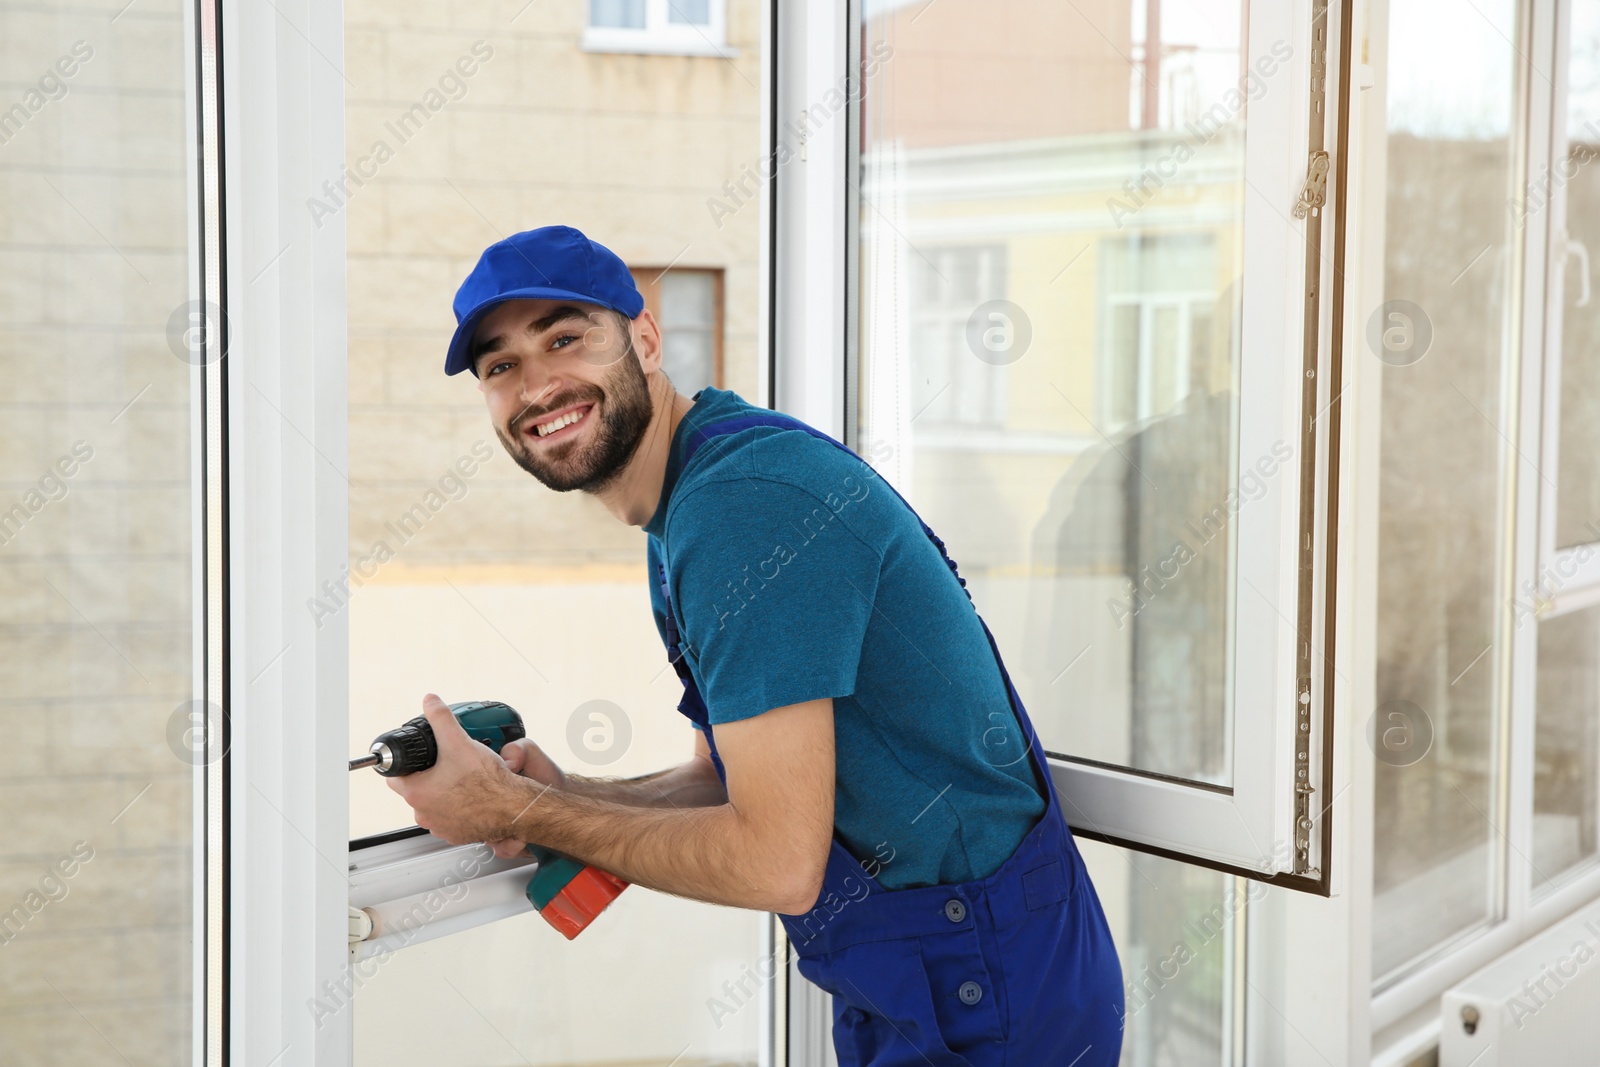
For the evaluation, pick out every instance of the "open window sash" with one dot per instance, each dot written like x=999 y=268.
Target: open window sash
x=1264 y=812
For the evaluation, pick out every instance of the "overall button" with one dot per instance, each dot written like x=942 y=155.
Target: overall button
x=970 y=993
x=955 y=910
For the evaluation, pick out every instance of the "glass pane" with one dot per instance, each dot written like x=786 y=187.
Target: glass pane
x=1049 y=358
x=1578 y=483
x=693 y=12
x=688 y=321
x=96 y=622
x=1566 y=786
x=471 y=579
x=1174 y=925
x=654 y=982
x=688 y=298
x=619 y=14
x=1446 y=283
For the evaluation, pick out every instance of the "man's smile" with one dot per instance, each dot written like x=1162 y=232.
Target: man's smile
x=560 y=424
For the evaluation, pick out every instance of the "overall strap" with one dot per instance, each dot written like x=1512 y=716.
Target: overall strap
x=693 y=704
x=703 y=434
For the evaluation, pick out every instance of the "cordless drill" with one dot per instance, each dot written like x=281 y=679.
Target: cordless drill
x=568 y=893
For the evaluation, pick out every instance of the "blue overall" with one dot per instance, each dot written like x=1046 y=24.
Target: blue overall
x=1016 y=969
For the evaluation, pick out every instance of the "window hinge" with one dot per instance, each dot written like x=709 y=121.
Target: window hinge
x=1315 y=191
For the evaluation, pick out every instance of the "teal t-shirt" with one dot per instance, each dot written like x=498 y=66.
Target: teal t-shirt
x=797 y=574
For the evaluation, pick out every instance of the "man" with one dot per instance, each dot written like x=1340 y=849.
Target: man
x=862 y=765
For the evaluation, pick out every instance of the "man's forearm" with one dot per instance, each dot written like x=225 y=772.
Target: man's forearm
x=689 y=785
x=705 y=853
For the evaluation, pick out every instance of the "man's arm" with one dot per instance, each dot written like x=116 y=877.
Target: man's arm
x=689 y=785
x=765 y=848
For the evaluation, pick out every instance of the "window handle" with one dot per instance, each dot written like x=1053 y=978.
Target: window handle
x=1314 y=193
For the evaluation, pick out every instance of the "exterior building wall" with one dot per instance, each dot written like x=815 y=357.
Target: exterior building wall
x=631 y=149
x=95 y=520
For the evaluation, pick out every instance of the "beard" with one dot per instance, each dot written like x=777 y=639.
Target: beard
x=593 y=463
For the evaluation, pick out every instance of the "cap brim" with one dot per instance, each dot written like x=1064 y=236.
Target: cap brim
x=459 y=357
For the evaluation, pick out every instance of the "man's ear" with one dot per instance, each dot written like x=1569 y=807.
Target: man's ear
x=647 y=340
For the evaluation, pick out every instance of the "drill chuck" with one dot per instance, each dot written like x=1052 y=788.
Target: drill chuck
x=411 y=748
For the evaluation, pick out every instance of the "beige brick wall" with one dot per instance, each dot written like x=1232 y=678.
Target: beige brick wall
x=94 y=582
x=626 y=147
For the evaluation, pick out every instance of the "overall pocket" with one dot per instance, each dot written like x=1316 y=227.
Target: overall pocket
x=883 y=1014
x=965 y=994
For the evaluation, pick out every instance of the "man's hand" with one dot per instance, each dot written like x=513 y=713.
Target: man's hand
x=763 y=843
x=469 y=794
x=529 y=760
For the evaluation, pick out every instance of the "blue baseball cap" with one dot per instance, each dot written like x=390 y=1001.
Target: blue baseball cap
x=552 y=262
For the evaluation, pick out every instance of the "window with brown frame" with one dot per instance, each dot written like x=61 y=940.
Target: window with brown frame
x=687 y=305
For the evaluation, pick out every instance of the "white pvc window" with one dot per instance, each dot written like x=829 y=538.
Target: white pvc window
x=1130 y=522
x=1563 y=190
x=668 y=27
x=1488 y=835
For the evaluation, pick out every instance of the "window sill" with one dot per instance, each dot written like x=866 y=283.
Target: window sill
x=647 y=43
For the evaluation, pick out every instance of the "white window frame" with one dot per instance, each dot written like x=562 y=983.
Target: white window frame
x=285 y=378
x=660 y=35
x=1567 y=577
x=1250 y=828
x=291 y=878
x=1403 y=1017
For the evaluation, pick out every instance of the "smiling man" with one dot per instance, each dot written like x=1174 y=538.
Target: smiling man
x=862 y=765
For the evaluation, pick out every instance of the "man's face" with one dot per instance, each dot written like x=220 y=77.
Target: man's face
x=566 y=391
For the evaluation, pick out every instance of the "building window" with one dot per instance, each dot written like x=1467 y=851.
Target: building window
x=687 y=305
x=953 y=386
x=1160 y=297
x=658 y=27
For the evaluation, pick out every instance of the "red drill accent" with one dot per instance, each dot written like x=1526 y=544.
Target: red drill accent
x=588 y=894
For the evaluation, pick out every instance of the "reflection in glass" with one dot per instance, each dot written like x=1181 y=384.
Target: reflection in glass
x=1440 y=497
x=469 y=578
x=1566 y=754
x=1050 y=262
x=1175 y=925
x=1578 y=482
x=1049 y=359
x=101 y=740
